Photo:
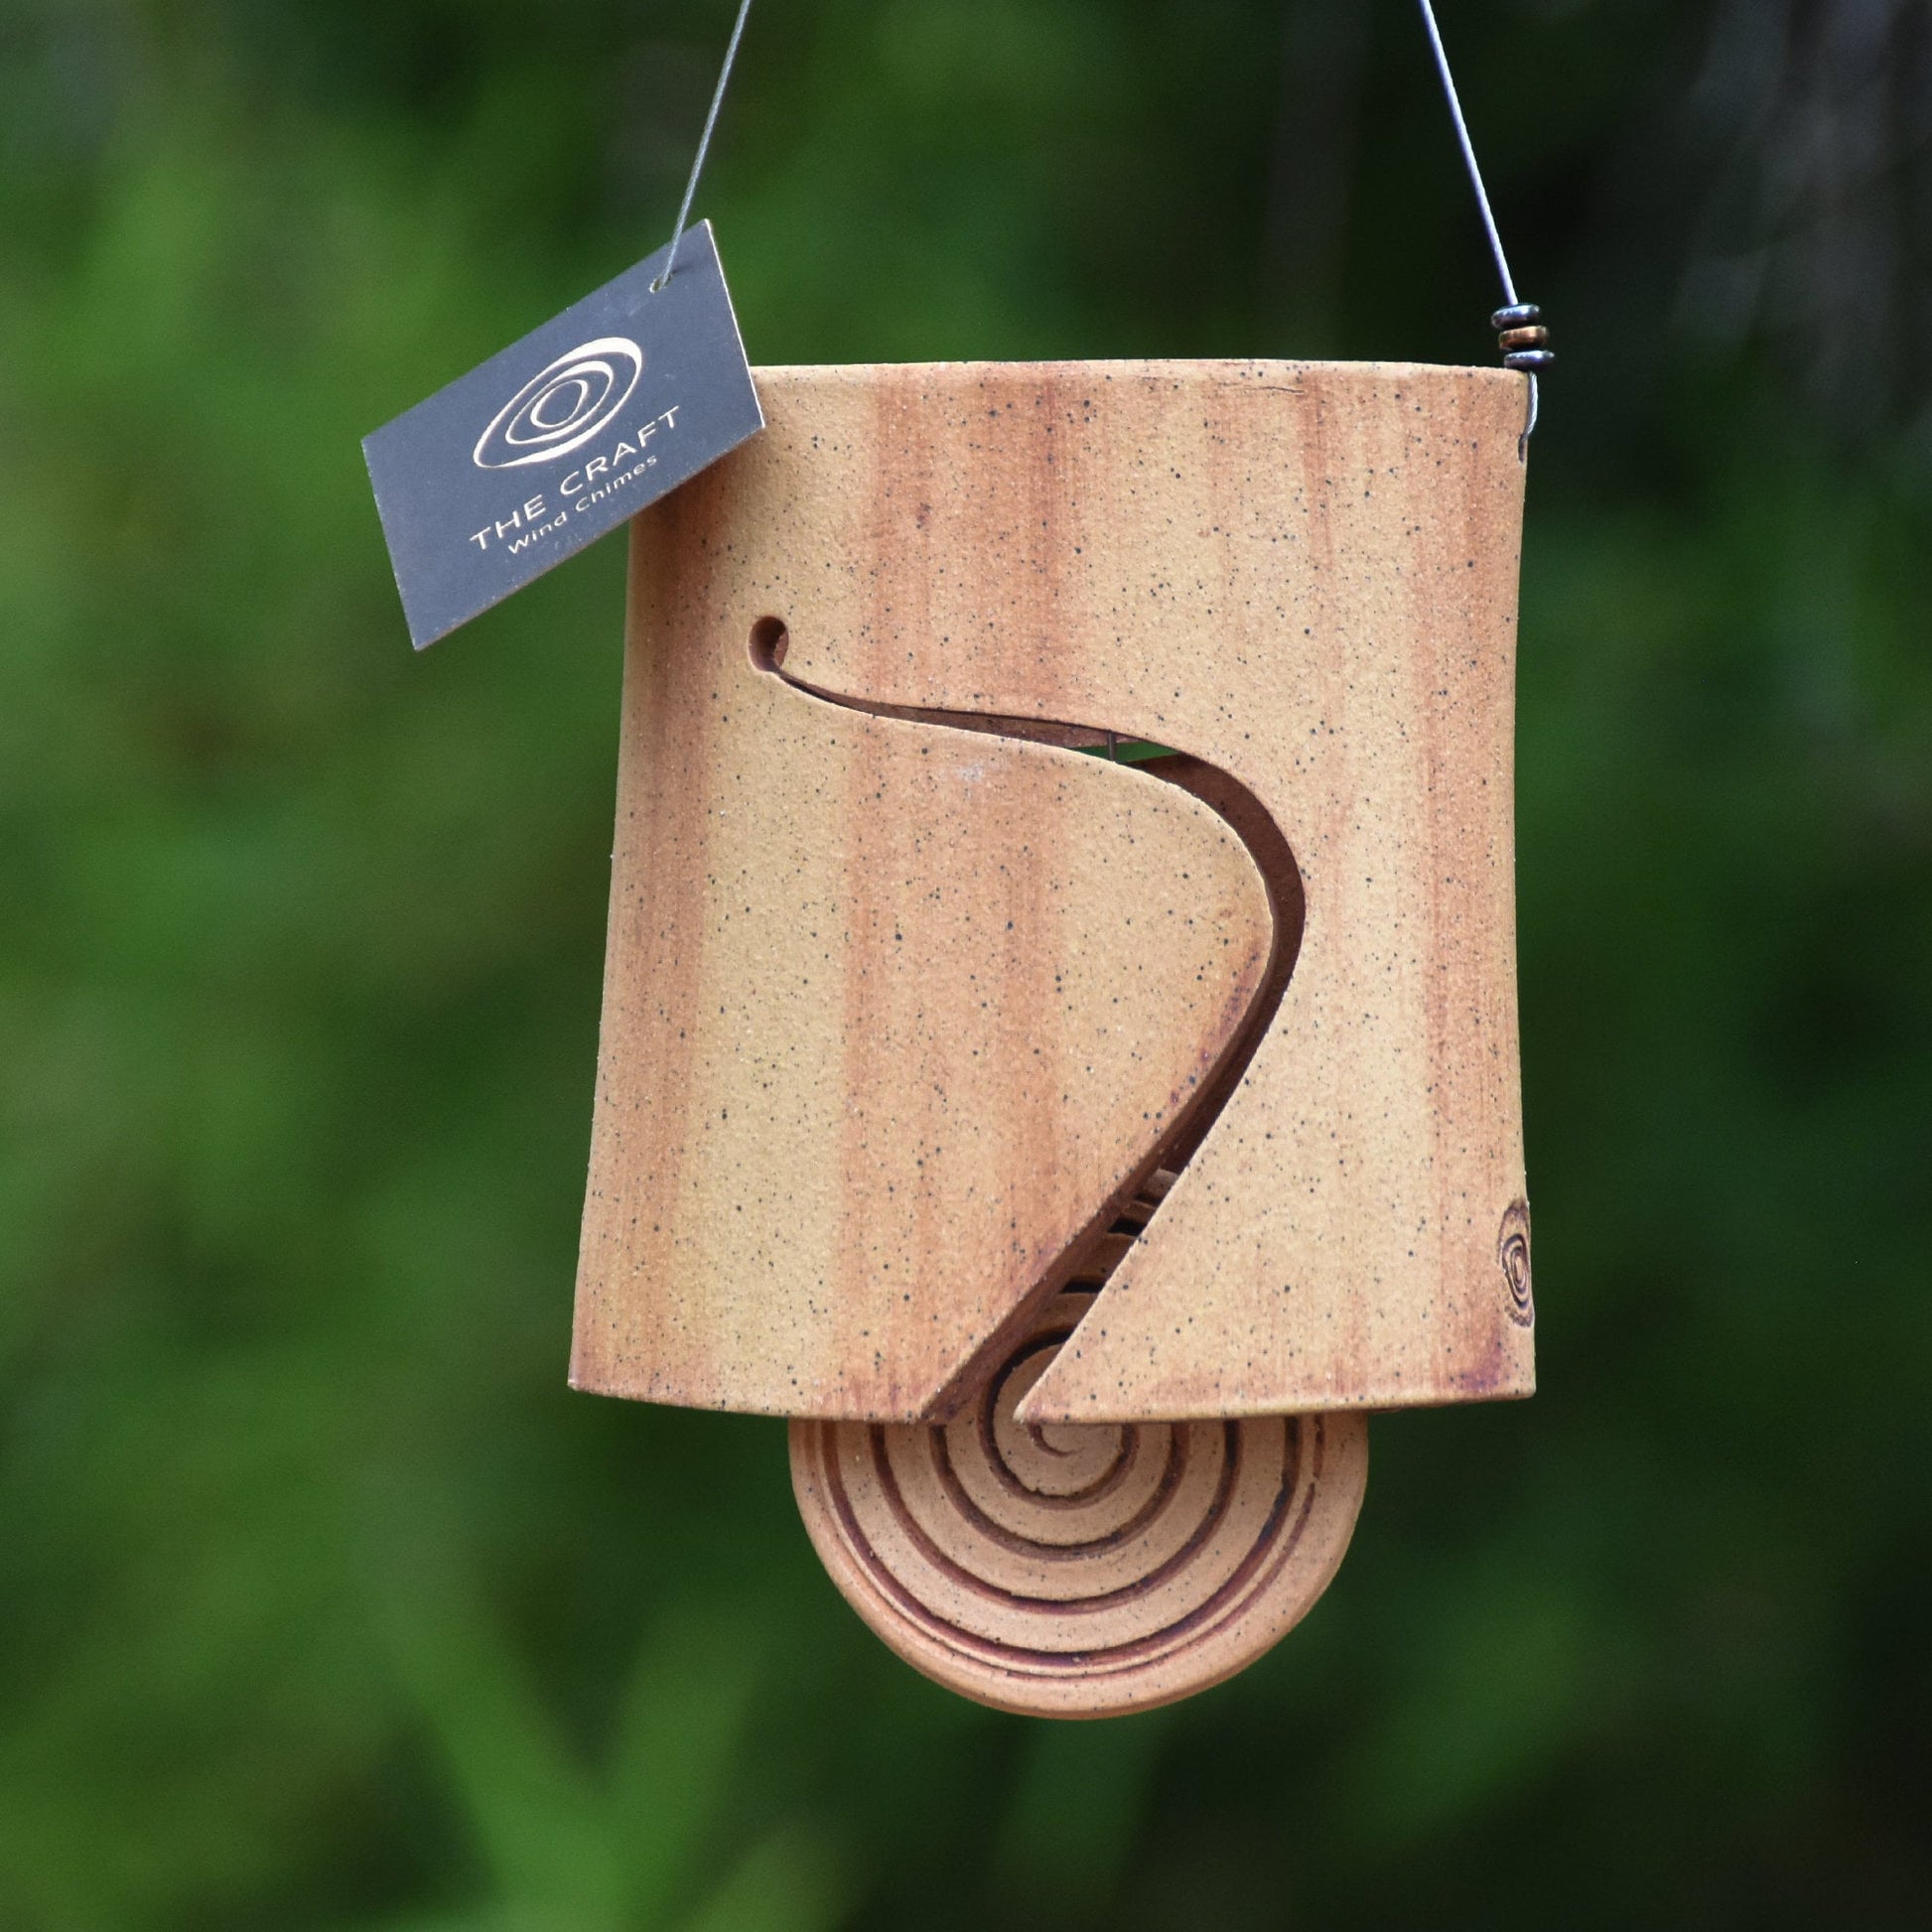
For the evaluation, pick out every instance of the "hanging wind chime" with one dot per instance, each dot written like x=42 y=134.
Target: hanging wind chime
x=1060 y=1035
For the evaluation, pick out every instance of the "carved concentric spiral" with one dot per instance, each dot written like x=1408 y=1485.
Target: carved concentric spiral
x=1084 y=1569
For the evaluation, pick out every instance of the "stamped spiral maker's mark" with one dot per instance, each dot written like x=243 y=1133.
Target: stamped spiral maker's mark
x=1513 y=1255
x=562 y=406
x=1079 y=1568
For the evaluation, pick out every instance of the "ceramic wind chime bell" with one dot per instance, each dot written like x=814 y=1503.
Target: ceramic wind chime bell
x=1074 y=1147
x=1059 y=1024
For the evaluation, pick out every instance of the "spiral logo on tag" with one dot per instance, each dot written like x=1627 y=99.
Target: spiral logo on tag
x=563 y=406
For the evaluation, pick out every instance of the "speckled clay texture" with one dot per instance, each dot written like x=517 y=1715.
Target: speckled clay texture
x=895 y=1012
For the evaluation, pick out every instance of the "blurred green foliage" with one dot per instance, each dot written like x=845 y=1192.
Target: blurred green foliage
x=321 y=1602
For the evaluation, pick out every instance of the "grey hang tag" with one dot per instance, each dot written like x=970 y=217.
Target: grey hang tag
x=548 y=444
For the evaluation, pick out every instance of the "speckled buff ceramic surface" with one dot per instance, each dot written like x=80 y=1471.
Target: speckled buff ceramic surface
x=929 y=1033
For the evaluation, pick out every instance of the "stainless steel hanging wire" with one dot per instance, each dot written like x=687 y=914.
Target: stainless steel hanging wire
x=1523 y=338
x=704 y=143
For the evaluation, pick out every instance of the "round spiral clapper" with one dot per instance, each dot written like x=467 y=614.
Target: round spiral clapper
x=1081 y=1570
